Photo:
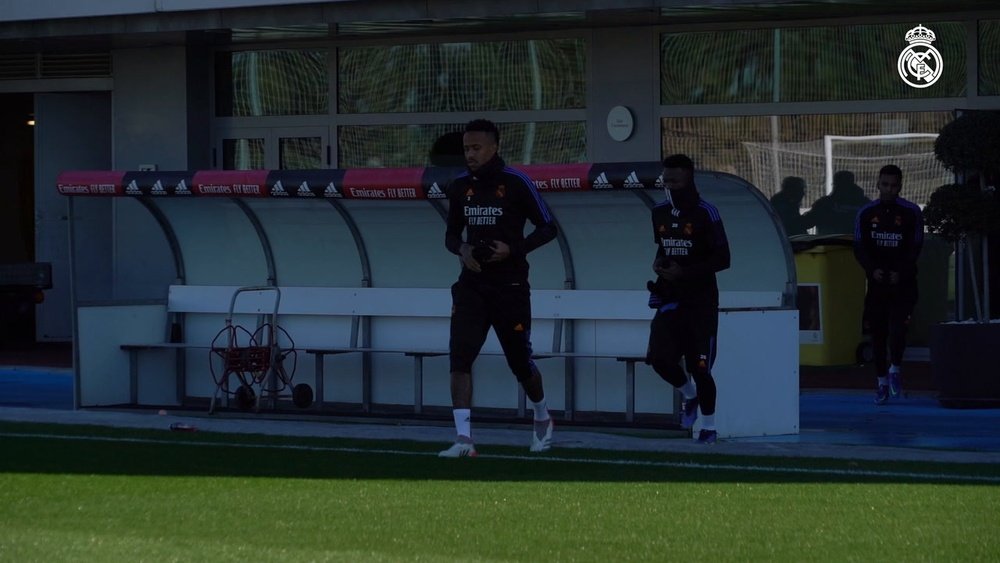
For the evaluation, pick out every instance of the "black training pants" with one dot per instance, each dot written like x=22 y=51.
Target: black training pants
x=886 y=318
x=477 y=306
x=688 y=331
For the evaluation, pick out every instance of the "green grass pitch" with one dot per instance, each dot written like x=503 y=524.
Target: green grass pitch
x=98 y=494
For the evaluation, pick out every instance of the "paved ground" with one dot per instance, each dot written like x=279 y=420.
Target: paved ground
x=839 y=423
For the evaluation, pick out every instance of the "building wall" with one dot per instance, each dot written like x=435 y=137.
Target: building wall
x=150 y=108
x=150 y=126
x=622 y=73
x=161 y=110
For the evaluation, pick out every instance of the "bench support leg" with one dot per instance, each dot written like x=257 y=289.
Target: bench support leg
x=133 y=377
x=630 y=390
x=366 y=382
x=418 y=384
x=318 y=399
x=570 y=407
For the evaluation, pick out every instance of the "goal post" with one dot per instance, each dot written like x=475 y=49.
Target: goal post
x=830 y=140
x=818 y=160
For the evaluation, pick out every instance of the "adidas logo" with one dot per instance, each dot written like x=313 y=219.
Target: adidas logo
x=181 y=188
x=331 y=191
x=435 y=191
x=133 y=188
x=278 y=189
x=157 y=189
x=601 y=182
x=304 y=190
x=659 y=181
x=632 y=181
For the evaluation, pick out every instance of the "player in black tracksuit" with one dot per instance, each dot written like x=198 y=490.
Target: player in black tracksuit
x=491 y=204
x=888 y=236
x=691 y=247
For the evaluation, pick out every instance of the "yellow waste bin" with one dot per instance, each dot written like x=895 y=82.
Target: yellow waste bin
x=831 y=295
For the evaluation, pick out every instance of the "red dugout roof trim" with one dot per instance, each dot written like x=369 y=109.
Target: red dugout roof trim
x=91 y=182
x=355 y=183
x=229 y=183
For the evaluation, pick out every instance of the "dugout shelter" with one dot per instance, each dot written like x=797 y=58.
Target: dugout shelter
x=313 y=232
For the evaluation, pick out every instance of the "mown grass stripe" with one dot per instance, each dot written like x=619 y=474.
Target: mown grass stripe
x=543 y=457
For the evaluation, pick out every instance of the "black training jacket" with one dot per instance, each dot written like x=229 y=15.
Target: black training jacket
x=889 y=235
x=689 y=231
x=494 y=204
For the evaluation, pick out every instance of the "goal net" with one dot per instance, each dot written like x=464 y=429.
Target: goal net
x=817 y=161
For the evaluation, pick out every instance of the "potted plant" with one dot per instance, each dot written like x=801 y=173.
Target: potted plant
x=965 y=353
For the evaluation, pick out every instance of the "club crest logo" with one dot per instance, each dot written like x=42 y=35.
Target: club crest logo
x=920 y=64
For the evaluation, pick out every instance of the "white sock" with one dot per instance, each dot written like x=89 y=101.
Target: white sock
x=541 y=409
x=688 y=390
x=893 y=368
x=463 y=422
x=708 y=422
x=883 y=380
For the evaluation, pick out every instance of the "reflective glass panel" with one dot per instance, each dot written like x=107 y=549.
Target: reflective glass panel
x=508 y=75
x=243 y=154
x=411 y=145
x=862 y=62
x=767 y=149
x=717 y=67
x=285 y=82
x=989 y=58
x=809 y=64
x=300 y=153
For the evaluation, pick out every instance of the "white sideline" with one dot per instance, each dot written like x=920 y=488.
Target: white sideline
x=548 y=458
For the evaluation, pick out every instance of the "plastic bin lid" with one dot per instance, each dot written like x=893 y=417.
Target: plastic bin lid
x=802 y=243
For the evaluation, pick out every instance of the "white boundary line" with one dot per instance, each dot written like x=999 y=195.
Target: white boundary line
x=549 y=458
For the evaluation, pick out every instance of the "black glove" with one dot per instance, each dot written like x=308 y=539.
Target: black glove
x=655 y=301
x=482 y=250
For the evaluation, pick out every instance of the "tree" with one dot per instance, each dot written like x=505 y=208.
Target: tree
x=966 y=212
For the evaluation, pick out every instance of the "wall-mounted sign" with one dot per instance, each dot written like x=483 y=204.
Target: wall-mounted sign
x=620 y=123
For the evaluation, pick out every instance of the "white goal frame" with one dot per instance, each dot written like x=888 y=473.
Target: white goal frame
x=828 y=147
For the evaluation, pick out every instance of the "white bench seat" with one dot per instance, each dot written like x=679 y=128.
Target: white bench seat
x=359 y=303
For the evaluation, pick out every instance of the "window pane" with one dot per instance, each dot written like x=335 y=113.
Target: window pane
x=816 y=64
x=989 y=58
x=256 y=83
x=300 y=153
x=717 y=67
x=402 y=146
x=243 y=154
x=765 y=149
x=509 y=75
x=860 y=62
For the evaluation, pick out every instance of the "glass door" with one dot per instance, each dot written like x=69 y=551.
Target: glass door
x=272 y=148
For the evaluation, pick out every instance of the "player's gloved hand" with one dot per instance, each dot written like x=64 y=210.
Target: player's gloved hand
x=669 y=270
x=500 y=250
x=465 y=253
x=655 y=301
